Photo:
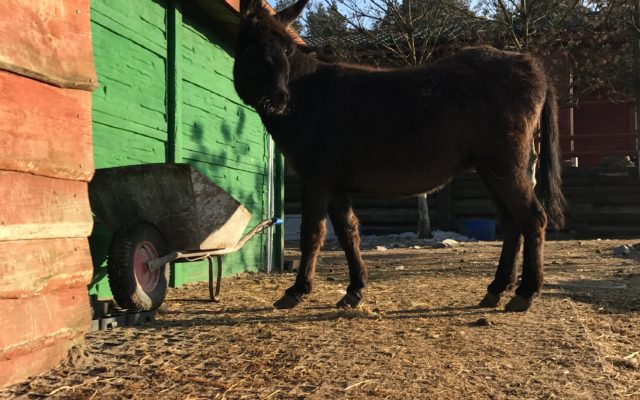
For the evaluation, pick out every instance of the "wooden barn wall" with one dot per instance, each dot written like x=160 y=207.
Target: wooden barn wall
x=166 y=95
x=46 y=74
x=596 y=130
x=601 y=203
x=130 y=123
x=129 y=108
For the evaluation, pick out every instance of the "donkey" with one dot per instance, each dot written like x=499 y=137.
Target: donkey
x=349 y=129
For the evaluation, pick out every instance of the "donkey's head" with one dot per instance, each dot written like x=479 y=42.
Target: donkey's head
x=263 y=49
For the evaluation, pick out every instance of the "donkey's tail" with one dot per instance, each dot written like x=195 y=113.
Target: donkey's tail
x=550 y=186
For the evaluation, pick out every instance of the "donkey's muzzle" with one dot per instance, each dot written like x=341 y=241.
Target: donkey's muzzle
x=276 y=103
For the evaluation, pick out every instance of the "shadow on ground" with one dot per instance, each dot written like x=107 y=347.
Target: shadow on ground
x=618 y=295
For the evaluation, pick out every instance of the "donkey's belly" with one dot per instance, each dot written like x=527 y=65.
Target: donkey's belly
x=393 y=181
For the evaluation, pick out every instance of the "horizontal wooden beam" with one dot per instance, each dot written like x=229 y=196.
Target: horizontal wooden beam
x=35 y=207
x=40 y=316
x=29 y=267
x=36 y=358
x=45 y=130
x=48 y=40
x=38 y=331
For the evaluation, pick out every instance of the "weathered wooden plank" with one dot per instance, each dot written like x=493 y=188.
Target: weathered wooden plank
x=598 y=180
x=39 y=124
x=598 y=190
x=468 y=184
x=463 y=192
x=382 y=216
x=480 y=209
x=61 y=312
x=28 y=267
x=613 y=231
x=36 y=358
x=48 y=40
x=588 y=172
x=606 y=199
x=36 y=207
x=382 y=229
x=400 y=202
x=609 y=218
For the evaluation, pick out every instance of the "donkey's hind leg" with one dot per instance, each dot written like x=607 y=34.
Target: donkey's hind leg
x=345 y=224
x=507 y=271
x=312 y=233
x=515 y=189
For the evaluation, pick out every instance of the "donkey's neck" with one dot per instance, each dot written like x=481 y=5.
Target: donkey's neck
x=301 y=65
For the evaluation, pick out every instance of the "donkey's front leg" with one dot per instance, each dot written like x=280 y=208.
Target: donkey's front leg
x=312 y=233
x=345 y=224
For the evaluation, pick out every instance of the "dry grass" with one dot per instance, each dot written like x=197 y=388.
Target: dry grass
x=417 y=336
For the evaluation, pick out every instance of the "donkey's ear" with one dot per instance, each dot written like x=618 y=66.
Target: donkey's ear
x=249 y=6
x=291 y=13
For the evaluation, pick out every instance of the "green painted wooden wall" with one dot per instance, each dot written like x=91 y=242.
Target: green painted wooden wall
x=166 y=95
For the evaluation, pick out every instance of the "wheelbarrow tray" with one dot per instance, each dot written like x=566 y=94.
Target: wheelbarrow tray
x=189 y=209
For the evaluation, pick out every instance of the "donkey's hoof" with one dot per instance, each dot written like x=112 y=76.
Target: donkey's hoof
x=287 y=301
x=518 y=304
x=349 y=300
x=490 y=300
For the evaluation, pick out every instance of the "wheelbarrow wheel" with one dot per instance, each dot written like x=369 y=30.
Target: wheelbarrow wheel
x=133 y=284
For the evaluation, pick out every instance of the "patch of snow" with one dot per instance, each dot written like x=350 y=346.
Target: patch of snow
x=440 y=236
x=441 y=239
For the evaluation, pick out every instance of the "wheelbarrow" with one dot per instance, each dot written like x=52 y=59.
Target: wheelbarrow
x=159 y=214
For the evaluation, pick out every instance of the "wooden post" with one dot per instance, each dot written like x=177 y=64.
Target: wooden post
x=278 y=192
x=424 y=223
x=174 y=72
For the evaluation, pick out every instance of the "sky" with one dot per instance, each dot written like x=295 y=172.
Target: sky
x=312 y=3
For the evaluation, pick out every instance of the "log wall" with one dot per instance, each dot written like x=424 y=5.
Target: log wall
x=46 y=75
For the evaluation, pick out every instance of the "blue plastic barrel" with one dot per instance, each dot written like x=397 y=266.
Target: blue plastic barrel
x=481 y=229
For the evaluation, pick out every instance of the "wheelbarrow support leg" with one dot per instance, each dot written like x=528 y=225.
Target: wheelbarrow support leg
x=214 y=295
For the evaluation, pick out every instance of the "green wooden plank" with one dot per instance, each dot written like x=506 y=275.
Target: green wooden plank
x=109 y=149
x=133 y=127
x=139 y=22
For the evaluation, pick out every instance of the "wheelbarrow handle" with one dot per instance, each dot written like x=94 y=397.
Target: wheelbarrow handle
x=261 y=226
x=159 y=262
x=176 y=255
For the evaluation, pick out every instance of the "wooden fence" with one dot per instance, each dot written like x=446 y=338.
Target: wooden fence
x=601 y=203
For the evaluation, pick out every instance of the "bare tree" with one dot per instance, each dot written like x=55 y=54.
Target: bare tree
x=584 y=43
x=592 y=47
x=406 y=32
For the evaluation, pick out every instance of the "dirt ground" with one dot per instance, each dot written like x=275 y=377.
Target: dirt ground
x=417 y=336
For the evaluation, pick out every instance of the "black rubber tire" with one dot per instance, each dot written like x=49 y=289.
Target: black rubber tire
x=126 y=289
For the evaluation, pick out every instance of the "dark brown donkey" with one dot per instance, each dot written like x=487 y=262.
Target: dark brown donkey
x=348 y=129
